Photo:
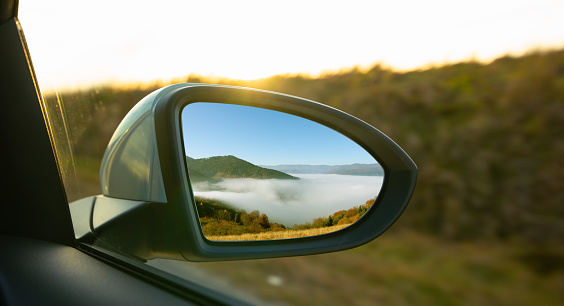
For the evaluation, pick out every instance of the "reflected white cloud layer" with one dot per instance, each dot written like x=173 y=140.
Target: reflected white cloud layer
x=294 y=201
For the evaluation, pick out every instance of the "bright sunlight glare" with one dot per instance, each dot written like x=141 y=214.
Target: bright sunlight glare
x=83 y=43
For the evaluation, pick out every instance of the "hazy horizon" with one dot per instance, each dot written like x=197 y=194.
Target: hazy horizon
x=439 y=30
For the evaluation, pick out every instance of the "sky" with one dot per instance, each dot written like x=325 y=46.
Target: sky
x=264 y=137
x=86 y=43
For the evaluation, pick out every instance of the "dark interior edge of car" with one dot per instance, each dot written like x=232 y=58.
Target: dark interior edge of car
x=40 y=262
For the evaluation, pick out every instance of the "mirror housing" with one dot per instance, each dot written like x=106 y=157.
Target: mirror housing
x=147 y=209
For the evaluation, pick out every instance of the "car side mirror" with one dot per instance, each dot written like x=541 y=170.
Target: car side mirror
x=208 y=172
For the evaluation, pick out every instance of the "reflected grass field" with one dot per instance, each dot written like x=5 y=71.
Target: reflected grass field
x=286 y=234
x=400 y=268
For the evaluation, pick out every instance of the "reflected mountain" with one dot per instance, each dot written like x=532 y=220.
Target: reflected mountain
x=354 y=169
x=219 y=167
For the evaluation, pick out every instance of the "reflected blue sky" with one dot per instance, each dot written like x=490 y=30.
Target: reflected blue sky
x=264 y=137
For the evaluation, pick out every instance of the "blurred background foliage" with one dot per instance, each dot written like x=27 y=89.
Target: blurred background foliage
x=489 y=203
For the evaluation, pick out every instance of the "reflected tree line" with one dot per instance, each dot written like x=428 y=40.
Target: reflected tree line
x=219 y=219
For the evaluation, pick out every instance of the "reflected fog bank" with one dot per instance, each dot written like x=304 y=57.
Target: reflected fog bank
x=292 y=202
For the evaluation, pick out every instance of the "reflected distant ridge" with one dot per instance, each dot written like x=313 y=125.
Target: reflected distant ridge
x=354 y=169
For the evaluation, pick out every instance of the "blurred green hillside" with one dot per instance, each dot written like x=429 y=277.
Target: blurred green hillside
x=487 y=138
x=485 y=224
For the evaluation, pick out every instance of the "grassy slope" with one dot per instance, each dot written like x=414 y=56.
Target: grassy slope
x=473 y=129
x=403 y=268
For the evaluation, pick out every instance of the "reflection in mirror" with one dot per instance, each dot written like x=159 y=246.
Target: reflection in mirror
x=258 y=174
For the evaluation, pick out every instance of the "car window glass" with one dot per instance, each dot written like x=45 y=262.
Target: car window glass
x=473 y=90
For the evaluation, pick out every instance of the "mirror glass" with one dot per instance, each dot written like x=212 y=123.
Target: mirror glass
x=258 y=174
